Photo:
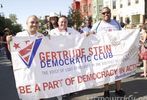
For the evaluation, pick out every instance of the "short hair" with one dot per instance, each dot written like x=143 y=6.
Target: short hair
x=6 y=30
x=34 y=16
x=106 y=8
x=63 y=16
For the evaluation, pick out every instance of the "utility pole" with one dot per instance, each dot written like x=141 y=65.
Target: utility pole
x=145 y=16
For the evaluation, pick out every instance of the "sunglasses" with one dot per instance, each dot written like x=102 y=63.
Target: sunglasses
x=34 y=22
x=106 y=12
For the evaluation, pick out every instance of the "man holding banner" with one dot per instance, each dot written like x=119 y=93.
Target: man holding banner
x=31 y=29
x=108 y=25
x=62 y=29
x=32 y=26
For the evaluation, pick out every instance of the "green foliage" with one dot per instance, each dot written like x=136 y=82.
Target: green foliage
x=75 y=18
x=2 y=23
x=9 y=23
x=13 y=18
x=42 y=25
x=16 y=28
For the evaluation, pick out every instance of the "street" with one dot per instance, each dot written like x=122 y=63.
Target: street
x=135 y=86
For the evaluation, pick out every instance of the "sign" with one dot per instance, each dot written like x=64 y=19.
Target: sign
x=45 y=68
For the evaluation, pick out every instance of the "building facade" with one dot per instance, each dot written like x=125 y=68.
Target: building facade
x=128 y=11
x=85 y=7
x=76 y=5
x=96 y=10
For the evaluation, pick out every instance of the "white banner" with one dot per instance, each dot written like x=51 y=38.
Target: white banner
x=46 y=67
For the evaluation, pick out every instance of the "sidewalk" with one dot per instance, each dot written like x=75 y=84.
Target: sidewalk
x=7 y=82
x=135 y=86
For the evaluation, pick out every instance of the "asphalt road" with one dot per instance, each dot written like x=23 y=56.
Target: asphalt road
x=135 y=86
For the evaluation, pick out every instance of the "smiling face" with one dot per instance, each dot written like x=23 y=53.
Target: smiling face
x=106 y=14
x=32 y=24
x=54 y=19
x=62 y=22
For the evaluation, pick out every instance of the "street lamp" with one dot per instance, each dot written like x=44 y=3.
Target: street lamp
x=1 y=5
x=1 y=13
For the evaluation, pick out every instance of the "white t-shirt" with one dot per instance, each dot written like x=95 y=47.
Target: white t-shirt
x=56 y=32
x=85 y=29
x=25 y=33
x=113 y=25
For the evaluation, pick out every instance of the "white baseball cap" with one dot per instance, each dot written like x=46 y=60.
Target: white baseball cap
x=52 y=14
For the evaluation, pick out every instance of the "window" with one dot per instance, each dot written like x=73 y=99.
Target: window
x=127 y=20
x=100 y=8
x=114 y=17
x=114 y=4
x=129 y=2
x=136 y=1
x=85 y=9
x=94 y=9
x=121 y=5
x=89 y=7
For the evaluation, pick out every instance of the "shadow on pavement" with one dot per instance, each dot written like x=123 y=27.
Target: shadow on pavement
x=7 y=81
x=136 y=88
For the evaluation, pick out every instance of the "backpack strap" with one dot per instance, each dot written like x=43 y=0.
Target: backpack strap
x=98 y=25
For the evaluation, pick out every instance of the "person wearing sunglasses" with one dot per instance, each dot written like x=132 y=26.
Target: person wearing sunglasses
x=107 y=24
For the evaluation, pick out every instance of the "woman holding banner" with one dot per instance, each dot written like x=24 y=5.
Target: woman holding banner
x=143 y=53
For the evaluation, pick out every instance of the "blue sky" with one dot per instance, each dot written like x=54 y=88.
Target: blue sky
x=24 y=8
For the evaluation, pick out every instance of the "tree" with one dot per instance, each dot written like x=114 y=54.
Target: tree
x=8 y=23
x=75 y=17
x=42 y=26
x=2 y=23
x=13 y=18
x=16 y=28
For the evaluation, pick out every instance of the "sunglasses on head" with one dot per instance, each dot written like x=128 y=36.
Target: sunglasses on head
x=108 y=12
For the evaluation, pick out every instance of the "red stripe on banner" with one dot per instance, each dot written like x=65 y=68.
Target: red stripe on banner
x=26 y=58
x=26 y=50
